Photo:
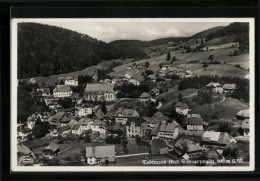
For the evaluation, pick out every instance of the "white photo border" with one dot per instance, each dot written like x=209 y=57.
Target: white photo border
x=13 y=108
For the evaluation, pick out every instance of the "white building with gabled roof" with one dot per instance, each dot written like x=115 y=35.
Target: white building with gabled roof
x=70 y=81
x=62 y=91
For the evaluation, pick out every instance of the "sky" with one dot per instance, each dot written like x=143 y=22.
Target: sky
x=108 y=31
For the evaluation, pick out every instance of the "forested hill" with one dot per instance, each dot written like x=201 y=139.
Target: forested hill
x=45 y=50
x=205 y=33
x=235 y=29
x=138 y=44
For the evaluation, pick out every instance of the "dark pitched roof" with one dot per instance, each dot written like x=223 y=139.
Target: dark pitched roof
x=160 y=116
x=99 y=88
x=152 y=120
x=182 y=105
x=169 y=127
x=160 y=143
x=126 y=112
x=156 y=145
x=145 y=95
x=217 y=137
x=53 y=146
x=137 y=120
x=116 y=126
x=75 y=126
x=193 y=121
x=21 y=148
x=84 y=121
x=62 y=88
x=62 y=117
x=191 y=146
x=100 y=115
x=64 y=128
x=155 y=129
x=213 y=84
x=44 y=90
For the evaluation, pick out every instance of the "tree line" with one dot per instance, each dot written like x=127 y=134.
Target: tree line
x=45 y=50
x=241 y=91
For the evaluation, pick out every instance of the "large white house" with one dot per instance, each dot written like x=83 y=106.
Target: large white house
x=215 y=87
x=62 y=91
x=98 y=126
x=134 y=127
x=166 y=131
x=70 y=81
x=85 y=111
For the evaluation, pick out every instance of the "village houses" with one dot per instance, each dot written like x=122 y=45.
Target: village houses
x=32 y=81
x=194 y=124
x=51 y=150
x=64 y=130
x=245 y=127
x=134 y=127
x=214 y=87
x=60 y=119
x=31 y=122
x=98 y=126
x=122 y=114
x=62 y=91
x=99 y=154
x=25 y=155
x=84 y=111
x=134 y=82
x=217 y=139
x=165 y=66
x=43 y=92
x=155 y=119
x=70 y=81
x=229 y=87
x=144 y=97
x=185 y=146
x=166 y=131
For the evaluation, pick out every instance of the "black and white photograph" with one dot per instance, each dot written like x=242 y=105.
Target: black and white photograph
x=132 y=94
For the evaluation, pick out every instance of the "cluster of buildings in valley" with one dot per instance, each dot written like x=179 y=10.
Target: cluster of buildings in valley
x=188 y=140
x=216 y=87
x=167 y=69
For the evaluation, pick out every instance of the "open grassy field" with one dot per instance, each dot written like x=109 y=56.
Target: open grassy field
x=171 y=96
x=214 y=69
x=154 y=66
x=50 y=80
x=138 y=148
x=221 y=53
x=218 y=55
x=221 y=40
x=224 y=110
